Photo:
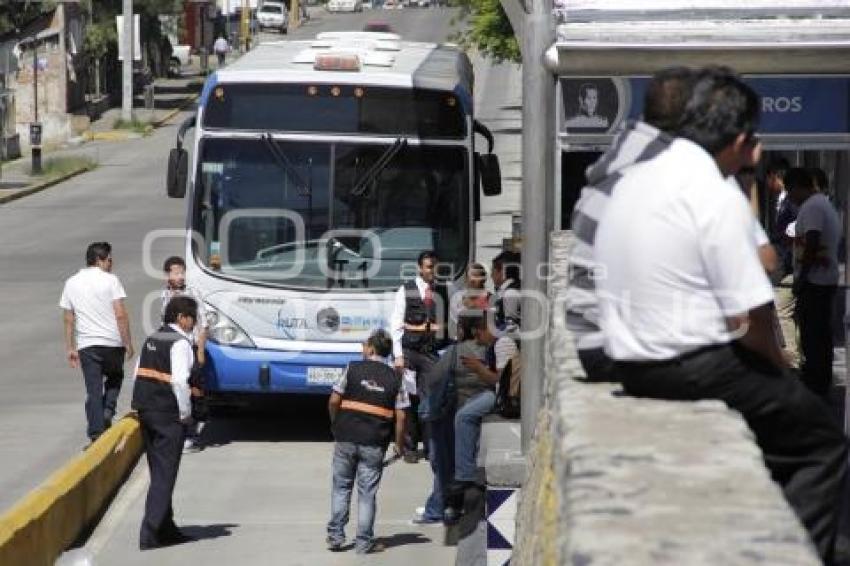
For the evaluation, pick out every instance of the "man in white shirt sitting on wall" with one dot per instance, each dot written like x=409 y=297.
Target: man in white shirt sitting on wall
x=686 y=305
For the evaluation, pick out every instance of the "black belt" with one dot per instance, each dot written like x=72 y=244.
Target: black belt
x=646 y=364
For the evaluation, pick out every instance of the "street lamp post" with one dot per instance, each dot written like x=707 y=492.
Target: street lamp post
x=534 y=27
x=127 y=62
x=35 y=127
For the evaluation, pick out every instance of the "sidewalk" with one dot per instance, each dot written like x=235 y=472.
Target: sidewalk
x=80 y=154
x=260 y=495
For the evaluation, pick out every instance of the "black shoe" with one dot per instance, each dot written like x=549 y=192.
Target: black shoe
x=175 y=537
x=451 y=516
x=456 y=491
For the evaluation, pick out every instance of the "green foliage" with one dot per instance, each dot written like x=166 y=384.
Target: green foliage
x=101 y=38
x=135 y=125
x=57 y=167
x=16 y=14
x=488 y=30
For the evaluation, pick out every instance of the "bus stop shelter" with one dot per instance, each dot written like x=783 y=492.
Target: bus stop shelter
x=794 y=53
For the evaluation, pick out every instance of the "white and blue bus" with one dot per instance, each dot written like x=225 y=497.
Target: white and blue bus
x=321 y=169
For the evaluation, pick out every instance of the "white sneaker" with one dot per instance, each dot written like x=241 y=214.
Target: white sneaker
x=420 y=511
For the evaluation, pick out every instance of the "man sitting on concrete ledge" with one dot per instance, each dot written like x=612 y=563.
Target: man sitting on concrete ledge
x=686 y=305
x=640 y=141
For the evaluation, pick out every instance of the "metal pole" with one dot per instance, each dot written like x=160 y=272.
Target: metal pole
x=845 y=163
x=245 y=30
x=537 y=190
x=127 y=64
x=35 y=149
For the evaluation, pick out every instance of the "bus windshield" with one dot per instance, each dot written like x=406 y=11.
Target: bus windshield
x=329 y=215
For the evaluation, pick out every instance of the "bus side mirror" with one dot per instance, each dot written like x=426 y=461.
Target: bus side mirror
x=178 y=169
x=490 y=174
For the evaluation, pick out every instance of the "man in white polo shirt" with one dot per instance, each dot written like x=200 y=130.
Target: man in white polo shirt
x=97 y=334
x=686 y=305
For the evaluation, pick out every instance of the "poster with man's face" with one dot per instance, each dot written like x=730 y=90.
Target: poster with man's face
x=591 y=105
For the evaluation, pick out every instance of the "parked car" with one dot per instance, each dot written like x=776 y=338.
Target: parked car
x=344 y=6
x=273 y=15
x=393 y=5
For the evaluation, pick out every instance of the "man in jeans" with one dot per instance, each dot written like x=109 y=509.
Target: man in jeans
x=477 y=399
x=363 y=406
x=97 y=334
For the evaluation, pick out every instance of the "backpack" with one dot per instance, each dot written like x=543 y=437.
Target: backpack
x=440 y=400
x=508 y=394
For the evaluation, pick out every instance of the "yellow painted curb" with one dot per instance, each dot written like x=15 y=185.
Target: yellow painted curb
x=51 y=517
x=110 y=135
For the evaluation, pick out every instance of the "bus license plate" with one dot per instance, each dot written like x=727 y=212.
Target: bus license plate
x=323 y=376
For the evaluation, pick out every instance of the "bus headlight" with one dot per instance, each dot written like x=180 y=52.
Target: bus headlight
x=224 y=331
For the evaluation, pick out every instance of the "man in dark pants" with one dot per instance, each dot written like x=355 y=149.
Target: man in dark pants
x=162 y=398
x=688 y=314
x=97 y=334
x=418 y=331
x=817 y=232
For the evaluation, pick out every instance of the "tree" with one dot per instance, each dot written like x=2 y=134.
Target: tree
x=488 y=30
x=15 y=15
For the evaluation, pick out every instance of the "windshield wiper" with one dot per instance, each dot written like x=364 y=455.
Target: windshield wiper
x=378 y=167
x=283 y=161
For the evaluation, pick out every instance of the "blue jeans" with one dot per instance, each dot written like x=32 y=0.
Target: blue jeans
x=103 y=372
x=468 y=433
x=441 y=458
x=365 y=464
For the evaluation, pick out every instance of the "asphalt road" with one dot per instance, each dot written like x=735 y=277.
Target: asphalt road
x=265 y=481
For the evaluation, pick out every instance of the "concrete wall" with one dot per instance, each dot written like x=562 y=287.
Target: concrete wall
x=51 y=517
x=59 y=78
x=618 y=480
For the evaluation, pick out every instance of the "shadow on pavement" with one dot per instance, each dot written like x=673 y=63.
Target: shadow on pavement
x=203 y=532
x=403 y=539
x=270 y=418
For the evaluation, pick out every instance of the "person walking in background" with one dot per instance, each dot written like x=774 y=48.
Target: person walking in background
x=97 y=334
x=817 y=230
x=161 y=397
x=221 y=48
x=688 y=315
x=174 y=269
x=367 y=410
x=418 y=326
x=783 y=214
